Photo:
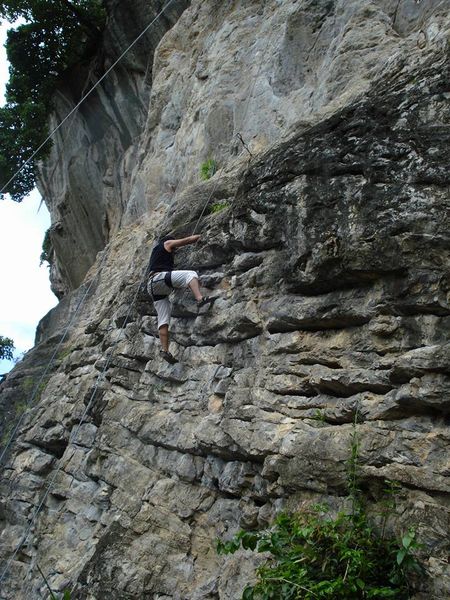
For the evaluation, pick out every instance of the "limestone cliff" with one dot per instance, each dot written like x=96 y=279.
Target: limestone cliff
x=328 y=247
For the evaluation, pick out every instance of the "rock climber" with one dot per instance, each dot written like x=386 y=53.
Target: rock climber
x=163 y=278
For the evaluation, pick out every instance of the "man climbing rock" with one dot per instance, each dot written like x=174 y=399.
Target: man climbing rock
x=163 y=279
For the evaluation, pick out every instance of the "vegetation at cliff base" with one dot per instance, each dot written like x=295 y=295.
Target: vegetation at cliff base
x=313 y=555
x=316 y=556
x=52 y=36
x=6 y=348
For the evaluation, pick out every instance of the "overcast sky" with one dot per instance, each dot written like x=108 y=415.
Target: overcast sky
x=25 y=295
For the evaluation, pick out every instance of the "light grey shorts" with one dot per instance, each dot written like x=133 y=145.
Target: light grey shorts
x=157 y=286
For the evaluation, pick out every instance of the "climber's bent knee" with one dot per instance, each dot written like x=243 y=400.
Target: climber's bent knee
x=181 y=279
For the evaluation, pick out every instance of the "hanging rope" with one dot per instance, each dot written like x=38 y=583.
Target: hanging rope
x=239 y=137
x=55 y=353
x=49 y=364
x=101 y=375
x=72 y=441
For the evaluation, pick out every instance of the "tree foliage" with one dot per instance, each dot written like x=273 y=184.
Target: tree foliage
x=6 y=348
x=47 y=250
x=315 y=556
x=56 y=35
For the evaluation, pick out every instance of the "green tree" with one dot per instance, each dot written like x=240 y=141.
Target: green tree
x=56 y=35
x=6 y=348
x=47 y=250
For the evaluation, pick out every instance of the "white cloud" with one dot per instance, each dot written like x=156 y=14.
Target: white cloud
x=25 y=295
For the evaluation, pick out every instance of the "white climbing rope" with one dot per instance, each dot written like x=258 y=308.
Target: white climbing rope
x=107 y=363
x=72 y=441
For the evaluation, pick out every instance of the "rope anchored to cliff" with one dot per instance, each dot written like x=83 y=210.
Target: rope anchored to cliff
x=241 y=139
x=161 y=266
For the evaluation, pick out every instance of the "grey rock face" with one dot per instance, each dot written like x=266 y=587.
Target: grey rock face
x=85 y=180
x=330 y=258
x=254 y=69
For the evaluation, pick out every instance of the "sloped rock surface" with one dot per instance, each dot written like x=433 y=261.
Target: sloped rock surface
x=181 y=98
x=330 y=260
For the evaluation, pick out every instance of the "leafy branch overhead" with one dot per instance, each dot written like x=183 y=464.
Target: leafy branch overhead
x=6 y=348
x=53 y=36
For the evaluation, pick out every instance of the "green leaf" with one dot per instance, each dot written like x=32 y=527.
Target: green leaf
x=249 y=541
x=400 y=556
x=265 y=545
x=408 y=539
x=248 y=593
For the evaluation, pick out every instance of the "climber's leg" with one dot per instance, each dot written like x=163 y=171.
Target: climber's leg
x=163 y=310
x=164 y=337
x=195 y=288
x=182 y=279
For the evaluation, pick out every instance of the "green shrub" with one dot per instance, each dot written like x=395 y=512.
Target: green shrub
x=6 y=348
x=51 y=38
x=315 y=556
x=207 y=169
x=47 y=250
x=218 y=207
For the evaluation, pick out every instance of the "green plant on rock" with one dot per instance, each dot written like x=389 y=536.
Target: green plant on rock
x=6 y=434
x=66 y=595
x=316 y=556
x=388 y=503
x=218 y=207
x=47 y=250
x=65 y=353
x=33 y=389
x=208 y=169
x=319 y=416
x=313 y=555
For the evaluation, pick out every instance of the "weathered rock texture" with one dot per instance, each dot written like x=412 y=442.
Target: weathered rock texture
x=330 y=258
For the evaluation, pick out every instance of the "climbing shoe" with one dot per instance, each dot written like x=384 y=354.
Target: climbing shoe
x=167 y=356
x=206 y=300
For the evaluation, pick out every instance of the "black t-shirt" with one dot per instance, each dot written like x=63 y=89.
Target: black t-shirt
x=160 y=259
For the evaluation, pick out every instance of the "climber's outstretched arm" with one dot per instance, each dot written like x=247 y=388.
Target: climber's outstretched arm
x=173 y=244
